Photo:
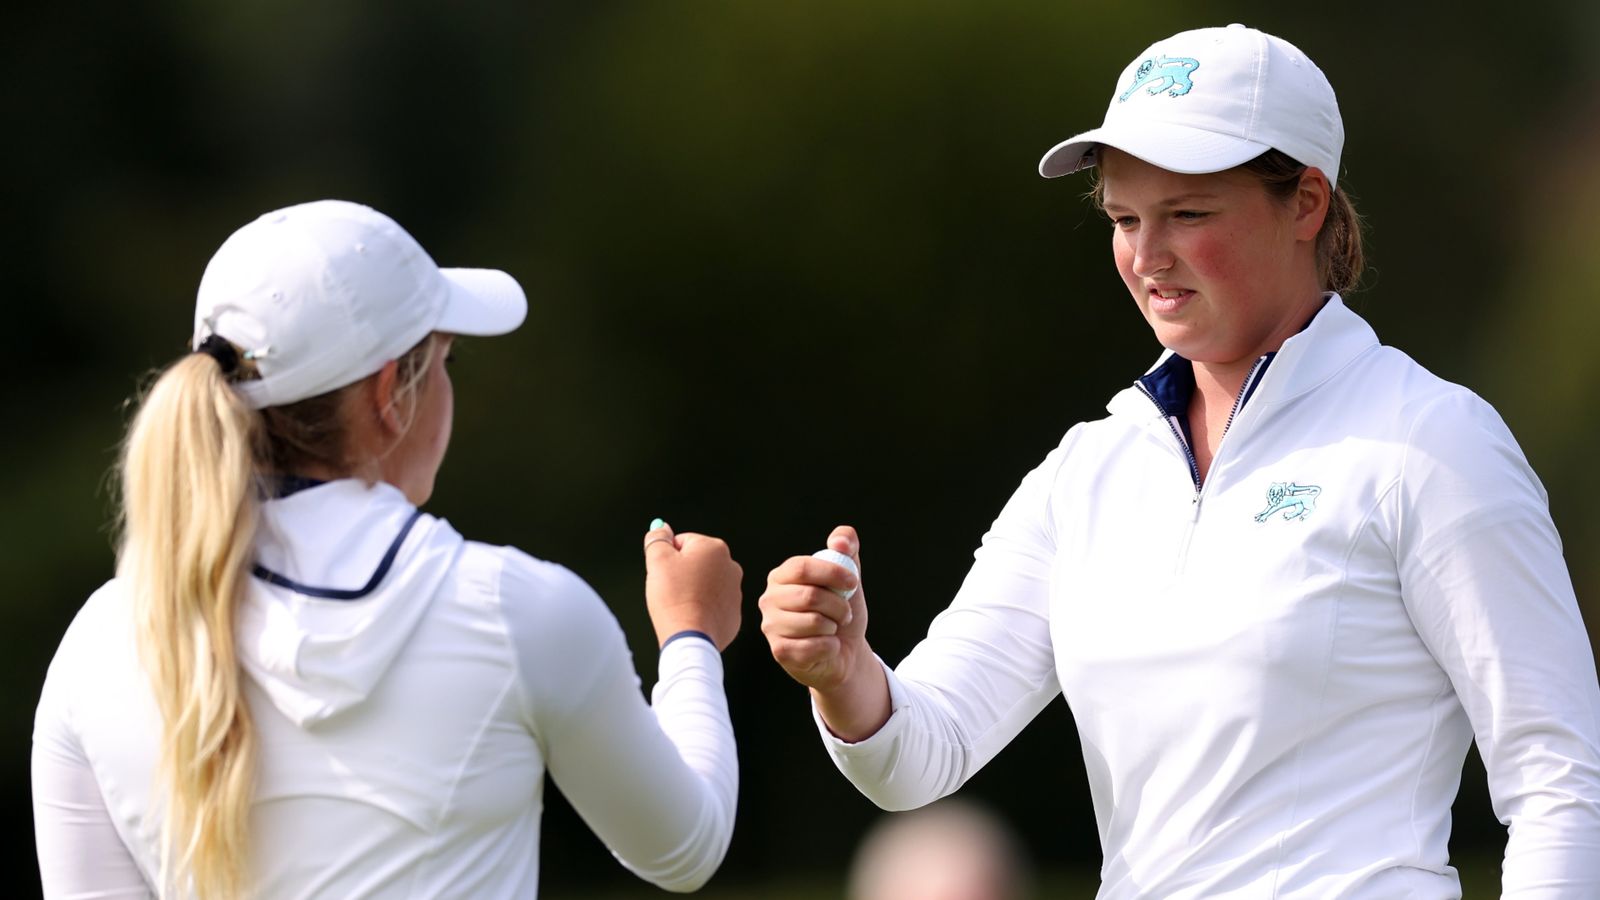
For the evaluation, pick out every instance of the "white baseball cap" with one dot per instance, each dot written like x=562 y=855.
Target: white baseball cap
x=1210 y=99
x=322 y=294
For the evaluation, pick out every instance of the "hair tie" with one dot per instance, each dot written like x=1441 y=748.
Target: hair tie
x=222 y=350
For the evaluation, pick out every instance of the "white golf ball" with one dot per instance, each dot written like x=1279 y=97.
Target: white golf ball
x=838 y=558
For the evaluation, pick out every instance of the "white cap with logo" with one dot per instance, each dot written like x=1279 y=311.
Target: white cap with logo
x=1210 y=99
x=322 y=294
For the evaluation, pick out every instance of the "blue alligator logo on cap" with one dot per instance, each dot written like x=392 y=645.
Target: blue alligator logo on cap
x=1295 y=501
x=1164 y=73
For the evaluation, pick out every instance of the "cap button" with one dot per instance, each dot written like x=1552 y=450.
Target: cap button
x=1237 y=25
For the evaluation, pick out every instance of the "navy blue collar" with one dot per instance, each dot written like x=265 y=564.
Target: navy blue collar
x=1171 y=384
x=281 y=486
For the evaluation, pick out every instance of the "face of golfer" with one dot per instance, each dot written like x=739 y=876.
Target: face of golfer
x=1221 y=270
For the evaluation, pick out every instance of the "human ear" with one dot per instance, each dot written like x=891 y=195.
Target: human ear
x=384 y=396
x=1311 y=200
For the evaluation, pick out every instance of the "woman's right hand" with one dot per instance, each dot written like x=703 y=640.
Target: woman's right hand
x=814 y=632
x=691 y=584
x=820 y=638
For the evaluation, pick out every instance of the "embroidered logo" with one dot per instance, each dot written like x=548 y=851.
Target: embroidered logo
x=1164 y=73
x=1295 y=501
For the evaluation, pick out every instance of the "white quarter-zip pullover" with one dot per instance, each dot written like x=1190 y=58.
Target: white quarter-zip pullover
x=1276 y=676
x=404 y=733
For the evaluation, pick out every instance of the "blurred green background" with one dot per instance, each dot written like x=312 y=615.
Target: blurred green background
x=790 y=265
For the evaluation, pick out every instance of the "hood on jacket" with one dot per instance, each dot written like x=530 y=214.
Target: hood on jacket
x=310 y=634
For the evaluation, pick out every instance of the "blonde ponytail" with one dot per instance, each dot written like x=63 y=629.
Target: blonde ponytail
x=189 y=506
x=190 y=473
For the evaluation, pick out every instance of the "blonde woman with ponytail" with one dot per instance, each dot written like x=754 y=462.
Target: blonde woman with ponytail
x=1283 y=586
x=299 y=684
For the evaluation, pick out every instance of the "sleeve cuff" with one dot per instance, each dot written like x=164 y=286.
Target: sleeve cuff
x=880 y=738
x=689 y=634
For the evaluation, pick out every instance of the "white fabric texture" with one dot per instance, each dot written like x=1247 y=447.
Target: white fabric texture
x=1251 y=92
x=405 y=736
x=321 y=294
x=1275 y=700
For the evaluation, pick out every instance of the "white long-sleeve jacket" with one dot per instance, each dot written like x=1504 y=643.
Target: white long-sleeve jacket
x=405 y=734
x=1276 y=676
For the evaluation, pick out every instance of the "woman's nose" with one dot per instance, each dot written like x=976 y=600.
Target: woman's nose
x=1151 y=252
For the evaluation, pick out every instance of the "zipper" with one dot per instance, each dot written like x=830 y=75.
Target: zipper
x=1238 y=401
x=1177 y=433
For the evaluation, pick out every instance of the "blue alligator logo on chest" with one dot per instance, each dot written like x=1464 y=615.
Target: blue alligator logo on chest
x=1164 y=73
x=1295 y=501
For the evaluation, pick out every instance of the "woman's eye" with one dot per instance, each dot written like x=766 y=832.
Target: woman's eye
x=1190 y=215
x=1124 y=222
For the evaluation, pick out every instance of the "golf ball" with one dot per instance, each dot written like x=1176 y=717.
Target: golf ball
x=838 y=558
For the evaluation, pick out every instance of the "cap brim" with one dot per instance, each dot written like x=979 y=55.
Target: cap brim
x=1176 y=148
x=482 y=302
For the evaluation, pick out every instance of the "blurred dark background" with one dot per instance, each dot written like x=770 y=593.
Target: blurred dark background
x=790 y=265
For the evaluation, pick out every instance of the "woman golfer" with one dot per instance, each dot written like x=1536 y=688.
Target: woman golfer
x=1282 y=586
x=301 y=685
